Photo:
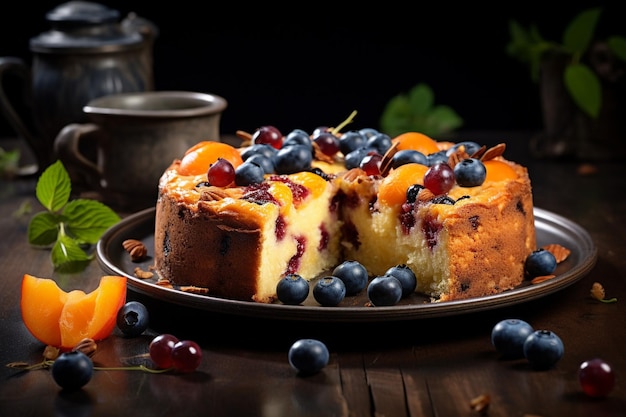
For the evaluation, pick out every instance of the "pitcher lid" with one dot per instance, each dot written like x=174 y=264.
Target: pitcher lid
x=81 y=26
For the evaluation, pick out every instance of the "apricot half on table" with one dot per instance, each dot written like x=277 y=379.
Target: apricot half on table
x=62 y=319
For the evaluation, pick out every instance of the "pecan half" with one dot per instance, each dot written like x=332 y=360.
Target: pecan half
x=135 y=248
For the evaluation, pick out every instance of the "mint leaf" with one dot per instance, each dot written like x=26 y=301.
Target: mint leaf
x=43 y=229
x=68 y=256
x=584 y=87
x=66 y=225
x=54 y=187
x=86 y=220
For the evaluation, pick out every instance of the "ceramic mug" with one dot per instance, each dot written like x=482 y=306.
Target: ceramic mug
x=137 y=136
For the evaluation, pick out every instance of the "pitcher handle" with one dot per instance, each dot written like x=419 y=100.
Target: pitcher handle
x=17 y=67
x=66 y=147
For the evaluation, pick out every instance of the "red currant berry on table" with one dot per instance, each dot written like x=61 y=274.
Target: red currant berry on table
x=161 y=350
x=596 y=378
x=269 y=135
x=186 y=356
x=221 y=173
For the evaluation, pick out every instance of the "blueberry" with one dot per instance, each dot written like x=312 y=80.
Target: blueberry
x=292 y=289
x=406 y=276
x=308 y=356
x=292 y=159
x=329 y=291
x=539 y=263
x=353 y=159
x=470 y=147
x=263 y=161
x=258 y=148
x=408 y=156
x=72 y=370
x=298 y=137
x=132 y=318
x=380 y=141
x=384 y=290
x=470 y=172
x=351 y=140
x=249 y=173
x=508 y=337
x=543 y=349
x=353 y=274
x=435 y=158
x=368 y=132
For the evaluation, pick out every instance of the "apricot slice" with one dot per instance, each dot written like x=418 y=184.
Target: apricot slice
x=199 y=157
x=499 y=171
x=392 y=189
x=62 y=319
x=416 y=141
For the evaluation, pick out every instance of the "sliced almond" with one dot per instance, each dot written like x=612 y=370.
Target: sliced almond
x=560 y=252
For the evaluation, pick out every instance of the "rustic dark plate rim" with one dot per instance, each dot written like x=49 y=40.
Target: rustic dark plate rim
x=551 y=228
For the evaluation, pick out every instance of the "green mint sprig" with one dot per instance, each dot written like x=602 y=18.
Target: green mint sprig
x=69 y=227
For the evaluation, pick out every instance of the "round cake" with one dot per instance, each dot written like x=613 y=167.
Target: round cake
x=458 y=214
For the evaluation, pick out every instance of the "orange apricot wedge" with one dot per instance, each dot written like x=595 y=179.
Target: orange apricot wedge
x=416 y=141
x=499 y=171
x=392 y=189
x=62 y=319
x=202 y=155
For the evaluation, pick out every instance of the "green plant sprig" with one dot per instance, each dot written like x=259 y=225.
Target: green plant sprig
x=581 y=82
x=67 y=226
x=417 y=112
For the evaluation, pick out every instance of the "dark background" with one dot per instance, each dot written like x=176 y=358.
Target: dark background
x=303 y=66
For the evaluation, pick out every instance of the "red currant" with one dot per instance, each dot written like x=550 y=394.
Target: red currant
x=596 y=377
x=161 y=350
x=221 y=173
x=371 y=163
x=269 y=135
x=328 y=143
x=439 y=178
x=186 y=356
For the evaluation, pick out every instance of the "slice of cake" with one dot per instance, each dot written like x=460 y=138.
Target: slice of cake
x=238 y=241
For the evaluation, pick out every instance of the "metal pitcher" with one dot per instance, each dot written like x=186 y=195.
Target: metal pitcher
x=87 y=53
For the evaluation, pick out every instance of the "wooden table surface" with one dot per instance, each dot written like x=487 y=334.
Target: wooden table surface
x=423 y=367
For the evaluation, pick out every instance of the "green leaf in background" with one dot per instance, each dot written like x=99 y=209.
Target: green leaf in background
x=584 y=88
x=416 y=112
x=618 y=46
x=421 y=99
x=54 y=187
x=579 y=32
x=86 y=220
x=43 y=229
x=68 y=256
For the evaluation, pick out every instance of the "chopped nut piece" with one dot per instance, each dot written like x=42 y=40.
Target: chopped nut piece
x=195 y=290
x=51 y=353
x=492 y=152
x=213 y=193
x=597 y=292
x=140 y=273
x=560 y=252
x=543 y=278
x=135 y=248
x=86 y=346
x=586 y=169
x=425 y=195
x=385 y=163
x=480 y=403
